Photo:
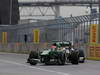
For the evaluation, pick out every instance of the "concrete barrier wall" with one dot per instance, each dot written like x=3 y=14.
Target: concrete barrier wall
x=94 y=50
x=27 y=47
x=22 y=47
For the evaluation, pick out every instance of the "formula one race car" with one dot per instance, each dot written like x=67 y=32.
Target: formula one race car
x=59 y=53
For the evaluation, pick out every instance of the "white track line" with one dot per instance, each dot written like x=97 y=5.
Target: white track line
x=32 y=67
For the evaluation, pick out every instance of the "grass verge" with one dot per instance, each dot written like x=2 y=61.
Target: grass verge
x=94 y=58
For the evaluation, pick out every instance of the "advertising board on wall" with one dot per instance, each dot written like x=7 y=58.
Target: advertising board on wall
x=93 y=33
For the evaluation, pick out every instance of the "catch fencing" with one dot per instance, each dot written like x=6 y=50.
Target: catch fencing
x=39 y=35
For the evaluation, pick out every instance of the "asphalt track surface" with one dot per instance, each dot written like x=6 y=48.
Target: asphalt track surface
x=15 y=64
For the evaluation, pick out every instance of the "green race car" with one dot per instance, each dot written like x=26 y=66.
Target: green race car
x=59 y=53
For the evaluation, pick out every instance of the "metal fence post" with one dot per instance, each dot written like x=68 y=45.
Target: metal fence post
x=99 y=23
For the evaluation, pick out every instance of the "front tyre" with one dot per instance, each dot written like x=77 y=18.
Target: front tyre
x=47 y=60
x=33 y=62
x=33 y=54
x=61 y=59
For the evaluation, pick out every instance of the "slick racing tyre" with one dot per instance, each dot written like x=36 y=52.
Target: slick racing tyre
x=61 y=59
x=74 y=57
x=32 y=54
x=47 y=60
x=33 y=62
x=81 y=56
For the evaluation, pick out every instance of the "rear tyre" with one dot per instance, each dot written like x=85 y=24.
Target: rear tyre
x=82 y=61
x=81 y=56
x=47 y=60
x=74 y=57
